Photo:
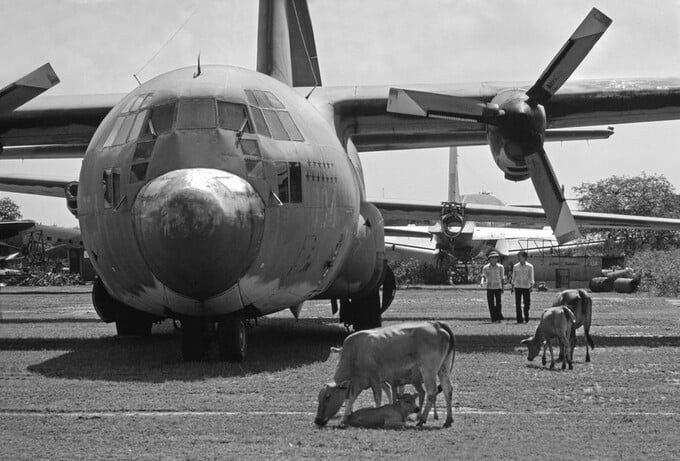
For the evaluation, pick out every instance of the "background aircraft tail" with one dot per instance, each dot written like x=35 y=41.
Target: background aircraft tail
x=285 y=43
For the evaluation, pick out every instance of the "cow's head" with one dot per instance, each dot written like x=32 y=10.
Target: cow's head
x=408 y=403
x=331 y=397
x=534 y=347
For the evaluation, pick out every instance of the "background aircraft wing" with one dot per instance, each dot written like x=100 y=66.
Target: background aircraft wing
x=9 y=229
x=49 y=187
x=401 y=214
x=361 y=115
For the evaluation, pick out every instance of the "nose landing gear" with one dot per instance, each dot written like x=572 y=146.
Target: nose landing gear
x=229 y=332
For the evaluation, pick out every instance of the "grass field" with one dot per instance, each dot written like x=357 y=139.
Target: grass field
x=70 y=389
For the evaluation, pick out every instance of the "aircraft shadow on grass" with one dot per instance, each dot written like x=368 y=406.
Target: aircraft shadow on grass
x=276 y=344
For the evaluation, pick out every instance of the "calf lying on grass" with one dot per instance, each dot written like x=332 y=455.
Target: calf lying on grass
x=392 y=416
x=556 y=322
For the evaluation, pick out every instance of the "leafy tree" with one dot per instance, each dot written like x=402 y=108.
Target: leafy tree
x=9 y=211
x=645 y=195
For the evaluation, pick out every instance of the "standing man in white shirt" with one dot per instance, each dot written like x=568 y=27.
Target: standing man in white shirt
x=522 y=284
x=494 y=274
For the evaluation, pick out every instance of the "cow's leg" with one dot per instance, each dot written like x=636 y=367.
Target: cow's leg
x=430 y=382
x=564 y=344
x=352 y=394
x=552 y=357
x=545 y=346
x=569 y=354
x=447 y=389
x=376 y=387
x=391 y=391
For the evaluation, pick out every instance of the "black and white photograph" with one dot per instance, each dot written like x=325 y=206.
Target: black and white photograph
x=321 y=229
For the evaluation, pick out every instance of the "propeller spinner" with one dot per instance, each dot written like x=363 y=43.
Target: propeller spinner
x=516 y=121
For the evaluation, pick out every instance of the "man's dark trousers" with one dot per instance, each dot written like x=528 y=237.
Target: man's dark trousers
x=493 y=298
x=522 y=293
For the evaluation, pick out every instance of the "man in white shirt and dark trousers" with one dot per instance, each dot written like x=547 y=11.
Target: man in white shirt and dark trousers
x=494 y=274
x=522 y=283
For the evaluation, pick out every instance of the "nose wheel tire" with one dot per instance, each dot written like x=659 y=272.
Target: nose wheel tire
x=195 y=341
x=232 y=339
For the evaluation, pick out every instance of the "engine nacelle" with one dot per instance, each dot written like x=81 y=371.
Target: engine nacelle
x=363 y=269
x=520 y=131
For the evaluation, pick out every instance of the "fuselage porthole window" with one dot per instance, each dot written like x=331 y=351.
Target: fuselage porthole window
x=196 y=113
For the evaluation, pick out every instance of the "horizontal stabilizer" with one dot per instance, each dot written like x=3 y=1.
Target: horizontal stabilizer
x=26 y=88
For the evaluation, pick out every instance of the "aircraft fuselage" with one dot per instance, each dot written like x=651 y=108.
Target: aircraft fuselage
x=203 y=195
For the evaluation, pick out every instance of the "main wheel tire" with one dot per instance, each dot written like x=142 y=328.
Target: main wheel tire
x=232 y=339
x=367 y=311
x=133 y=327
x=195 y=341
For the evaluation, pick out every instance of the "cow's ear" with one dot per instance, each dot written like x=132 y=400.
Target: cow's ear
x=526 y=341
x=336 y=350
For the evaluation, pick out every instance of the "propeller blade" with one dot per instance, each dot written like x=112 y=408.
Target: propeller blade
x=436 y=105
x=29 y=86
x=551 y=197
x=570 y=56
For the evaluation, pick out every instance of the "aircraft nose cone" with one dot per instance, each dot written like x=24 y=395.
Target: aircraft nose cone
x=198 y=229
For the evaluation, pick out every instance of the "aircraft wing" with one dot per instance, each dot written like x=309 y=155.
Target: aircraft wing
x=401 y=214
x=361 y=115
x=53 y=126
x=9 y=229
x=50 y=187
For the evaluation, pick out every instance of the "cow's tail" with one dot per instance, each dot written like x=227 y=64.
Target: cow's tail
x=452 y=342
x=587 y=303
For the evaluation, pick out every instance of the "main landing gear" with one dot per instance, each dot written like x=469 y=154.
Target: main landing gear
x=229 y=332
x=365 y=312
x=129 y=321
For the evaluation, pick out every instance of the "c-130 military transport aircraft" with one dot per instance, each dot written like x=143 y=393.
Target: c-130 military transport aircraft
x=216 y=194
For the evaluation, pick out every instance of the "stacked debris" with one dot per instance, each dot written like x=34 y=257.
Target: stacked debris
x=43 y=279
x=620 y=281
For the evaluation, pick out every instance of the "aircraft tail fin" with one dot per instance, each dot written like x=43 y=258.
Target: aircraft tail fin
x=454 y=183
x=285 y=43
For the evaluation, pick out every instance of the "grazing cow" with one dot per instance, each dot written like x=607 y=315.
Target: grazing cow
x=582 y=306
x=391 y=416
x=556 y=322
x=371 y=358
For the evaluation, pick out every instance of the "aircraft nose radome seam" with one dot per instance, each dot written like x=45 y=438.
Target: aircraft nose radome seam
x=198 y=229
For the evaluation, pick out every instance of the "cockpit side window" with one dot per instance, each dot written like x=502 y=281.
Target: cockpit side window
x=162 y=118
x=233 y=117
x=270 y=117
x=196 y=113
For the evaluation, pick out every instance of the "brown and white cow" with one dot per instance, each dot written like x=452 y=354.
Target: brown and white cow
x=556 y=322
x=370 y=358
x=582 y=306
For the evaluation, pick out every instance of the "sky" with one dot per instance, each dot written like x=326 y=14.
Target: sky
x=96 y=46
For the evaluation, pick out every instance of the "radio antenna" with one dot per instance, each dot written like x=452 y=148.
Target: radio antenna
x=166 y=42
